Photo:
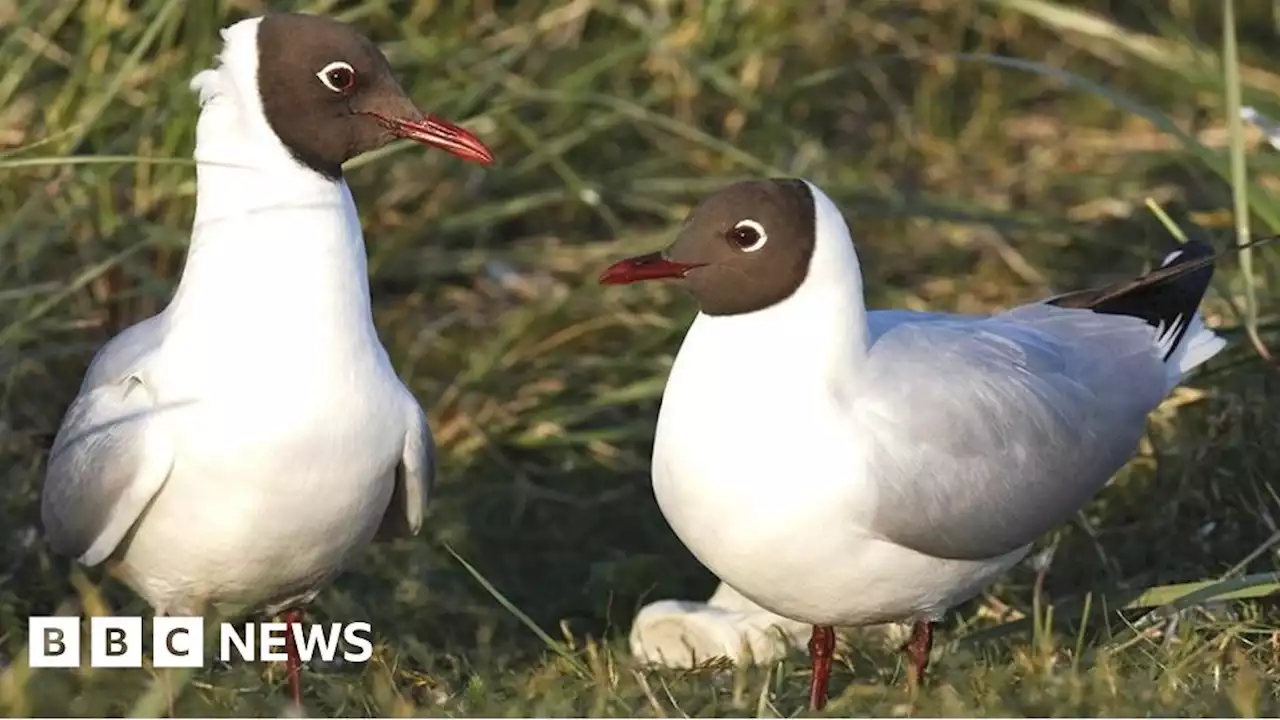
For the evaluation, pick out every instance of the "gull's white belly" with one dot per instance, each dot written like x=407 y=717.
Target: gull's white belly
x=821 y=573
x=271 y=493
x=781 y=517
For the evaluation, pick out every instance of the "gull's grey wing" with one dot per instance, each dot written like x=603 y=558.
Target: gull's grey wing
x=108 y=459
x=415 y=478
x=124 y=353
x=880 y=322
x=986 y=433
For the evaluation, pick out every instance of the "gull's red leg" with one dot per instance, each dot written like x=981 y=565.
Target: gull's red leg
x=917 y=649
x=822 y=645
x=294 y=664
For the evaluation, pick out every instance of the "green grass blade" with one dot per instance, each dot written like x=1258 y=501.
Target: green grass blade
x=551 y=644
x=1239 y=170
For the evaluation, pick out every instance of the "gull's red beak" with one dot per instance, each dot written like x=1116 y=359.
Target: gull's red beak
x=645 y=267
x=438 y=132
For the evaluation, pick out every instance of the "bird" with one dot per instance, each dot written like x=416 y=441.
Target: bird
x=841 y=467
x=238 y=449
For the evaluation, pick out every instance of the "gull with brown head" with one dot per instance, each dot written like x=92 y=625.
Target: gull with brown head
x=841 y=467
x=239 y=449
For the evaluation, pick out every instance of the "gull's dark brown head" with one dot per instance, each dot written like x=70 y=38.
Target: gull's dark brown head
x=329 y=95
x=743 y=249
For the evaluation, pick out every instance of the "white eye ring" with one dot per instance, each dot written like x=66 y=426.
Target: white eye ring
x=750 y=232
x=336 y=65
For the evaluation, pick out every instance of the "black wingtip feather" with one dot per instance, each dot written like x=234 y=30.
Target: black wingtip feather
x=1166 y=298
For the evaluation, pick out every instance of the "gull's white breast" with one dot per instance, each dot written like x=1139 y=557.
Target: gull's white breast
x=275 y=483
x=764 y=479
x=287 y=420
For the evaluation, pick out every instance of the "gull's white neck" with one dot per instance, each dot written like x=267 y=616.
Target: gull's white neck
x=817 y=336
x=275 y=246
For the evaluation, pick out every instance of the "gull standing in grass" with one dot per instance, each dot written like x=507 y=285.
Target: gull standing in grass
x=841 y=467
x=238 y=449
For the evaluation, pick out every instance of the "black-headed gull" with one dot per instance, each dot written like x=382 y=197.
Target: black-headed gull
x=844 y=467
x=237 y=449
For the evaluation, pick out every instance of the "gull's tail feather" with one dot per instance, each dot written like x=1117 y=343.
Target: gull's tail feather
x=1190 y=344
x=1168 y=299
x=1197 y=346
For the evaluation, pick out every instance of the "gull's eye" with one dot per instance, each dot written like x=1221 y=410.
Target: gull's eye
x=748 y=236
x=338 y=76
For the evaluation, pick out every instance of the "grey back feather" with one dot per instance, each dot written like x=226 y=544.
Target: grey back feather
x=103 y=468
x=415 y=479
x=122 y=354
x=989 y=432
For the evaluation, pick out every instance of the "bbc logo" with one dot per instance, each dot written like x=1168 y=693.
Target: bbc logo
x=114 y=642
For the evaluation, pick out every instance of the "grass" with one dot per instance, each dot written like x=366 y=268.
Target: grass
x=985 y=153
